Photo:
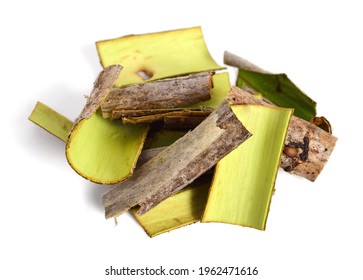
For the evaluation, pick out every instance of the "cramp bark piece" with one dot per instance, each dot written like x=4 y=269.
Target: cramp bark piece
x=314 y=145
x=161 y=94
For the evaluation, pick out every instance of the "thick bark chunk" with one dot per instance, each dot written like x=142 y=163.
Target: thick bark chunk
x=313 y=145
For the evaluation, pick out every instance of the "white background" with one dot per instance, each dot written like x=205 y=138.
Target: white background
x=52 y=222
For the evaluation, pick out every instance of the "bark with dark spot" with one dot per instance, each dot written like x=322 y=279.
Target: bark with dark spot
x=315 y=144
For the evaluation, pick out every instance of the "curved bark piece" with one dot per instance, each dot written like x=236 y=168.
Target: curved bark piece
x=179 y=164
x=101 y=150
x=313 y=145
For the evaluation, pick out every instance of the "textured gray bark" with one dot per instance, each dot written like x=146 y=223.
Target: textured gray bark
x=179 y=164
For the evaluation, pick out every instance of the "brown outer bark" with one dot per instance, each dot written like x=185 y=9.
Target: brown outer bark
x=165 y=93
x=312 y=144
x=101 y=89
x=179 y=164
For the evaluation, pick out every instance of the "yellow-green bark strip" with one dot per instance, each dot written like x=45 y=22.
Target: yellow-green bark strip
x=244 y=180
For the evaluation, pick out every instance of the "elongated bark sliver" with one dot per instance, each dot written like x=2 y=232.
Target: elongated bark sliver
x=179 y=164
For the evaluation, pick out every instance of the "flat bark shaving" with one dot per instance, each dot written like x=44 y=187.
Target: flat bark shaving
x=179 y=164
x=307 y=147
x=236 y=61
x=101 y=89
x=166 y=93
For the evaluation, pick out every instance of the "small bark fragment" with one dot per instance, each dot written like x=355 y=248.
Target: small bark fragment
x=179 y=164
x=165 y=93
x=314 y=145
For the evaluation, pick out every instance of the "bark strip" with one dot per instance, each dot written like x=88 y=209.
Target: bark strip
x=307 y=147
x=164 y=93
x=179 y=164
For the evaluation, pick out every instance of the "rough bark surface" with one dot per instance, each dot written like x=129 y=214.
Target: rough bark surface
x=165 y=93
x=101 y=89
x=179 y=164
x=312 y=144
